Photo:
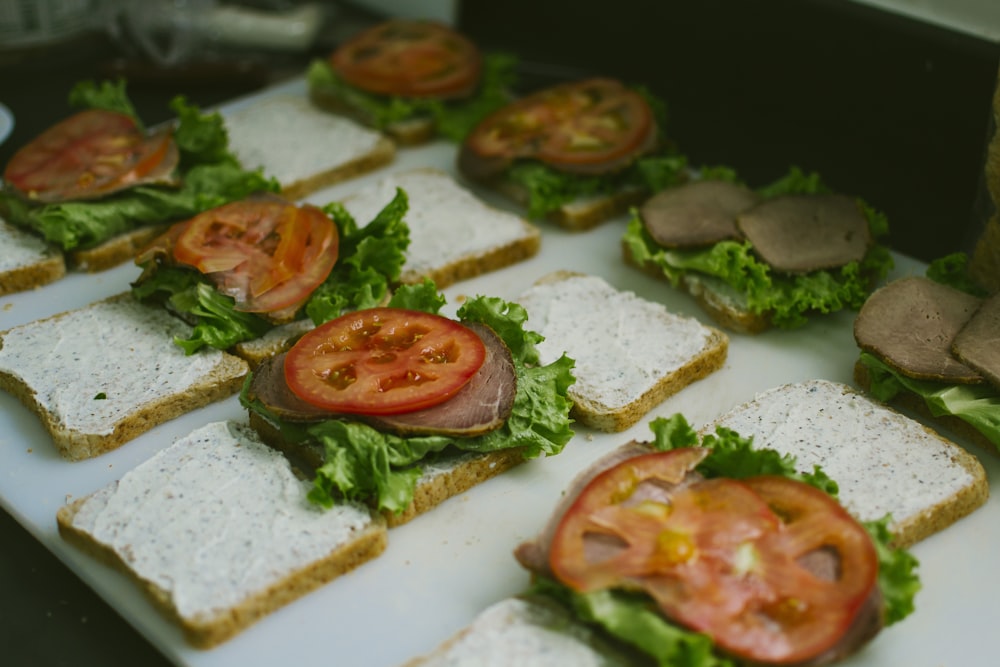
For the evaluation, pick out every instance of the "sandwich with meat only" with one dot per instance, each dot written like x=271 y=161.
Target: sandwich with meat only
x=696 y=552
x=99 y=184
x=577 y=153
x=756 y=259
x=412 y=79
x=380 y=402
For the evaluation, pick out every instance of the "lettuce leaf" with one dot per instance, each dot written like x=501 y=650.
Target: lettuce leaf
x=953 y=270
x=362 y=463
x=632 y=616
x=370 y=259
x=977 y=405
x=211 y=176
x=453 y=119
x=790 y=299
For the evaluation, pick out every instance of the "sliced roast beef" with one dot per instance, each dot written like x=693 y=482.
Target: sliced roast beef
x=696 y=214
x=482 y=405
x=802 y=233
x=911 y=323
x=978 y=343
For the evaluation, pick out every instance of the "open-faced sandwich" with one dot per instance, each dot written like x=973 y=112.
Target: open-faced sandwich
x=755 y=259
x=98 y=184
x=402 y=407
x=577 y=153
x=412 y=79
x=706 y=552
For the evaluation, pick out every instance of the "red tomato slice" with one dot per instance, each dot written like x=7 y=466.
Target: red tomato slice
x=383 y=361
x=410 y=59
x=588 y=127
x=268 y=254
x=723 y=557
x=90 y=154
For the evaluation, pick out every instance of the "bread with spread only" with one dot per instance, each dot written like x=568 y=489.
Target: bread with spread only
x=217 y=531
x=27 y=261
x=301 y=146
x=101 y=375
x=883 y=461
x=630 y=354
x=932 y=348
x=578 y=153
x=756 y=259
x=412 y=79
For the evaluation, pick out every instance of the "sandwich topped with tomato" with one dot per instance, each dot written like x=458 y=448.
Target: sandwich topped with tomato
x=707 y=552
x=756 y=259
x=403 y=407
x=99 y=184
x=241 y=270
x=413 y=79
x=577 y=153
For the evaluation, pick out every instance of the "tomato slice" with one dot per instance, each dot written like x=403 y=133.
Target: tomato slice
x=410 y=58
x=588 y=127
x=268 y=254
x=383 y=361
x=736 y=560
x=88 y=155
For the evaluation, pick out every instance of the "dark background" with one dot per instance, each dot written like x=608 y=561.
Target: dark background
x=889 y=109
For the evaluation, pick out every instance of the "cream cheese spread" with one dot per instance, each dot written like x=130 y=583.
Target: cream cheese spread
x=93 y=367
x=622 y=344
x=447 y=222
x=292 y=139
x=882 y=461
x=20 y=248
x=215 y=518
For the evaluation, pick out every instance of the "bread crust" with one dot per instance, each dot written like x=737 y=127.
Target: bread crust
x=115 y=251
x=583 y=214
x=412 y=132
x=49 y=268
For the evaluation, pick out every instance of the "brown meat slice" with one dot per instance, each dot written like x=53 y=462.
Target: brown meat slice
x=482 y=405
x=803 y=233
x=911 y=323
x=978 y=343
x=696 y=214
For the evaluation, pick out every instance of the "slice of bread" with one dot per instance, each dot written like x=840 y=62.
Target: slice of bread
x=584 y=213
x=527 y=631
x=883 y=461
x=114 y=251
x=303 y=147
x=453 y=234
x=100 y=375
x=27 y=261
x=217 y=531
x=409 y=132
x=450 y=474
x=630 y=354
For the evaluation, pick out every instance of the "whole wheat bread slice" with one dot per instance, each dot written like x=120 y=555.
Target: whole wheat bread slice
x=27 y=261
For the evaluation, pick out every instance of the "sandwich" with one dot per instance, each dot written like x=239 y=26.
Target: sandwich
x=264 y=265
x=100 y=375
x=630 y=354
x=577 y=153
x=179 y=522
x=756 y=259
x=702 y=551
x=402 y=407
x=98 y=184
x=931 y=347
x=454 y=235
x=412 y=79
x=303 y=148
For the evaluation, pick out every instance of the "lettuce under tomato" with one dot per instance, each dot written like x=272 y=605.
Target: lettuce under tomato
x=210 y=176
x=733 y=266
x=976 y=404
x=632 y=617
x=369 y=259
x=453 y=119
x=363 y=463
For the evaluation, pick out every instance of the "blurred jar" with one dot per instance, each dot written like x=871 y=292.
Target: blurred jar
x=28 y=24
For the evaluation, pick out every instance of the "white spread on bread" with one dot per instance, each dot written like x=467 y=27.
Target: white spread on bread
x=882 y=461
x=292 y=139
x=447 y=222
x=95 y=366
x=621 y=343
x=20 y=248
x=214 y=518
